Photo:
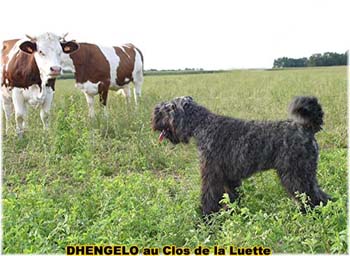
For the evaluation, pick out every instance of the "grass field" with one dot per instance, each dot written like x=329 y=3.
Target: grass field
x=111 y=182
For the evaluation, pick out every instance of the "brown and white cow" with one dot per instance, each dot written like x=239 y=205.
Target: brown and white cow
x=100 y=69
x=28 y=72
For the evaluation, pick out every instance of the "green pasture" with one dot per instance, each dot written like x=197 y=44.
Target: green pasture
x=109 y=181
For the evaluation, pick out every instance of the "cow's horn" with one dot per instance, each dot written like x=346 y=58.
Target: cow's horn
x=31 y=37
x=64 y=36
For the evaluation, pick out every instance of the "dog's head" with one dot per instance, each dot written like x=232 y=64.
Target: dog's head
x=171 y=118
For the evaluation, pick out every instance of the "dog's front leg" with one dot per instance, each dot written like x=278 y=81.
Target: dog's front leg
x=212 y=188
x=231 y=188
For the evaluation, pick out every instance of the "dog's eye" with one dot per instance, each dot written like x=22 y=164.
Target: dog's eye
x=41 y=53
x=170 y=107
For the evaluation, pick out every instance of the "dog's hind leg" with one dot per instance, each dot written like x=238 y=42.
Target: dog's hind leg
x=303 y=181
x=322 y=196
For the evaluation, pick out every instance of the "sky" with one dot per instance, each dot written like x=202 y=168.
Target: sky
x=180 y=34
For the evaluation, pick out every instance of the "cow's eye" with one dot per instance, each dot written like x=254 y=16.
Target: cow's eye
x=41 y=53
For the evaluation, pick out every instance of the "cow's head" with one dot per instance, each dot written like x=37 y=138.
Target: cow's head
x=47 y=50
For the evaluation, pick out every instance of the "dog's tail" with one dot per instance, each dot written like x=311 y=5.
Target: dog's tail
x=307 y=112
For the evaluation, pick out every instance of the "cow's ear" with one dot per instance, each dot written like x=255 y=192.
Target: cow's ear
x=69 y=47
x=28 y=47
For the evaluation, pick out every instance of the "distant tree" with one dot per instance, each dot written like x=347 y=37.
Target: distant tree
x=289 y=62
x=317 y=59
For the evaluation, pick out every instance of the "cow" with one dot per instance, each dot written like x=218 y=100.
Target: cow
x=100 y=69
x=29 y=69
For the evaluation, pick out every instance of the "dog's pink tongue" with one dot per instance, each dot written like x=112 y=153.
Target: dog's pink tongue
x=161 y=136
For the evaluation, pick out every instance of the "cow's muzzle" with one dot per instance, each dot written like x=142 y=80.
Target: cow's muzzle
x=55 y=71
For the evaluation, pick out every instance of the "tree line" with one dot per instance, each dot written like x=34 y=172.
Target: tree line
x=315 y=60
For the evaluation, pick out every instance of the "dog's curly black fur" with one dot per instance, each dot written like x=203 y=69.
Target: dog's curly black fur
x=232 y=149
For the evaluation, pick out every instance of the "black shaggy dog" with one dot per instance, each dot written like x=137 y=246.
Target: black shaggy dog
x=232 y=149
